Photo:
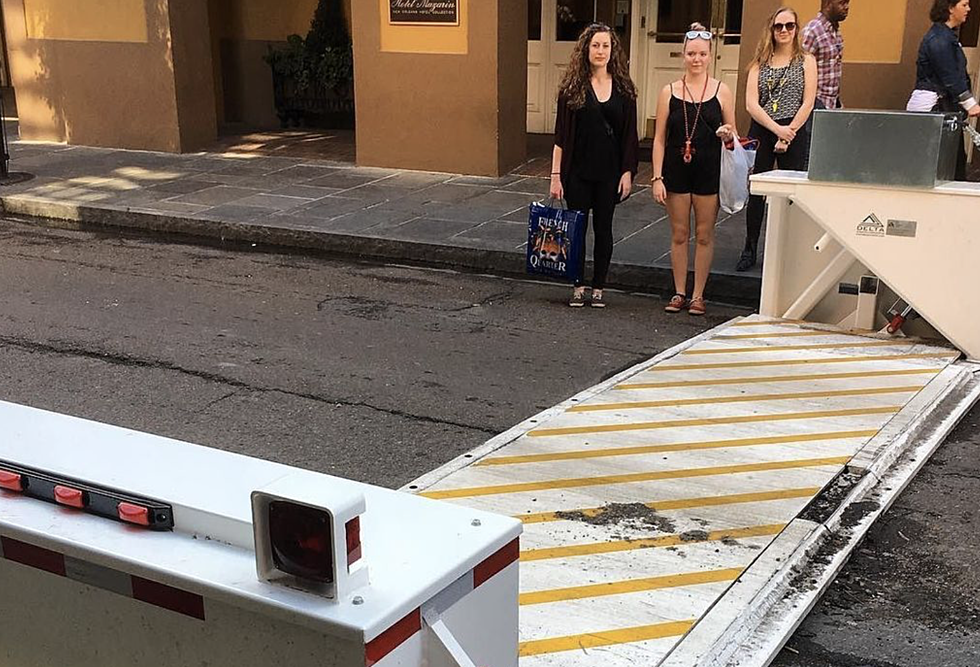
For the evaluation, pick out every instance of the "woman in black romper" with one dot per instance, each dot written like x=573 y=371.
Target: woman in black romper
x=595 y=155
x=694 y=116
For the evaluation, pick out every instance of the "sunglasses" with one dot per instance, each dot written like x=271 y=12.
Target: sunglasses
x=599 y=27
x=789 y=26
x=697 y=34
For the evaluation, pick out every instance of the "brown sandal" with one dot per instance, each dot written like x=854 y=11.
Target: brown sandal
x=697 y=306
x=676 y=303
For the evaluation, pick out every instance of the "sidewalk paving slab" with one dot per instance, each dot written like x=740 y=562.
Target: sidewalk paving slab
x=465 y=222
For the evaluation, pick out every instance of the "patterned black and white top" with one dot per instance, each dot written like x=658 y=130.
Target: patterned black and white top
x=781 y=89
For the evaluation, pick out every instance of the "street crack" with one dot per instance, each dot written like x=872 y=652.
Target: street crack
x=133 y=362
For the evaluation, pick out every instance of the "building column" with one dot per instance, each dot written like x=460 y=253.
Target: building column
x=449 y=97
x=99 y=73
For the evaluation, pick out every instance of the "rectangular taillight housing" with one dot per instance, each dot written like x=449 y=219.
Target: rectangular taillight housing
x=309 y=536
x=301 y=540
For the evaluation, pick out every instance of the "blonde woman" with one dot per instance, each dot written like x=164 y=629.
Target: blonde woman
x=692 y=113
x=596 y=144
x=779 y=95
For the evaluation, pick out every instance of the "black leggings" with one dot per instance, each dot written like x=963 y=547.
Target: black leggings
x=599 y=197
x=796 y=158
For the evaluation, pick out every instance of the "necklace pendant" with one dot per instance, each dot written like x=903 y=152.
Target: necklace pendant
x=688 y=152
x=775 y=106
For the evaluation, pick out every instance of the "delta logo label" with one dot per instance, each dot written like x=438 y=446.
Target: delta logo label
x=871 y=226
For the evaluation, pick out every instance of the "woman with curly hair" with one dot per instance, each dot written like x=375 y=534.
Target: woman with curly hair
x=595 y=155
x=694 y=115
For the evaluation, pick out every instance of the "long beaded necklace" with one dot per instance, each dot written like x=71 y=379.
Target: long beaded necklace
x=689 y=131
x=779 y=91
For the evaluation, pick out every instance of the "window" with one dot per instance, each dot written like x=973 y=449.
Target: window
x=572 y=17
x=534 y=20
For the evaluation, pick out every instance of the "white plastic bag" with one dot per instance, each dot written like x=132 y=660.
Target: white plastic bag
x=736 y=165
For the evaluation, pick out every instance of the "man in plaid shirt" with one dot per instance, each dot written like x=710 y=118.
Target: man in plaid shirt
x=822 y=38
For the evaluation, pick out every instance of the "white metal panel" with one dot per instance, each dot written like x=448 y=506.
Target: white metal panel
x=939 y=230
x=51 y=620
x=415 y=547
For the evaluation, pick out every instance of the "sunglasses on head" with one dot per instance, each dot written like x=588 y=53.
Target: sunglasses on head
x=599 y=27
x=697 y=34
x=789 y=26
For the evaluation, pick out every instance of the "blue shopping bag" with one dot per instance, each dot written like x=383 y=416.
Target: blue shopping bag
x=555 y=241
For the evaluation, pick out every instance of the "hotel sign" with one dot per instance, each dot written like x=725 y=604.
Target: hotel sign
x=423 y=12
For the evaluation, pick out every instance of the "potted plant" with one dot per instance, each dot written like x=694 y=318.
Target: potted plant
x=313 y=77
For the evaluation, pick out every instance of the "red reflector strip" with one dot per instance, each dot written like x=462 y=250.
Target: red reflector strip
x=134 y=514
x=65 y=495
x=392 y=638
x=121 y=583
x=28 y=554
x=168 y=597
x=10 y=481
x=353 y=530
x=497 y=562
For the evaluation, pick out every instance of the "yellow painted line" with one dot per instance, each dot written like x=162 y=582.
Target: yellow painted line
x=685 y=503
x=629 y=586
x=781 y=334
x=594 y=548
x=782 y=348
x=814 y=377
x=801 y=362
x=711 y=421
x=629 y=478
x=674 y=447
x=604 y=638
x=743 y=398
x=759 y=323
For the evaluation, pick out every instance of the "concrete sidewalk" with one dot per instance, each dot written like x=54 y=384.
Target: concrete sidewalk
x=469 y=223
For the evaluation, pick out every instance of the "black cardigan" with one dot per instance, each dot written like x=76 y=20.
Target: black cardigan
x=565 y=137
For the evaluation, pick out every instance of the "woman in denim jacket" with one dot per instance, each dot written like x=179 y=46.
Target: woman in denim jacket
x=942 y=83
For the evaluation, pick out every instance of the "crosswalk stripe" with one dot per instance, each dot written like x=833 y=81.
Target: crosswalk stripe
x=782 y=348
x=630 y=478
x=710 y=421
x=680 y=504
x=604 y=638
x=616 y=546
x=800 y=362
x=673 y=447
x=744 y=398
x=807 y=377
x=629 y=586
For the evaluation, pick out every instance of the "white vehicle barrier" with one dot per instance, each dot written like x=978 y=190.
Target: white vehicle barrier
x=119 y=548
x=842 y=253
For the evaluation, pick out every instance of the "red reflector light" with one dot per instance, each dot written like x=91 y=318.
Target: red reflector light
x=131 y=513
x=353 y=529
x=301 y=538
x=10 y=481
x=65 y=495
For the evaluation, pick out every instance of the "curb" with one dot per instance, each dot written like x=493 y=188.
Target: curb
x=737 y=290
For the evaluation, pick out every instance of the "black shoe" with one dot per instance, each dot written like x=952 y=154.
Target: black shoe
x=746 y=260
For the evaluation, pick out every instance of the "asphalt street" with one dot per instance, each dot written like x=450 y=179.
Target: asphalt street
x=381 y=373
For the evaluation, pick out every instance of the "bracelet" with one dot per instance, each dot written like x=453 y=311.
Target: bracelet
x=656 y=178
x=556 y=173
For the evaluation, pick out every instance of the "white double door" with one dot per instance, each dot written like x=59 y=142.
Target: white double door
x=653 y=32
x=553 y=29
